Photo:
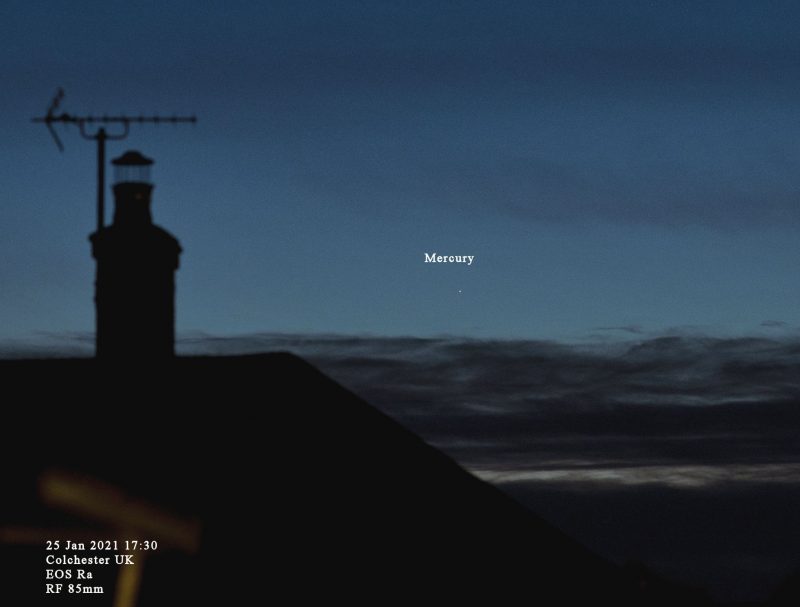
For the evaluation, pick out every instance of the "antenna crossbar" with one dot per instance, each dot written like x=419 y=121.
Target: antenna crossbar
x=70 y=119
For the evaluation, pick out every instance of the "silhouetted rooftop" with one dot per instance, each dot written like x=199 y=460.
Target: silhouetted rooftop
x=302 y=489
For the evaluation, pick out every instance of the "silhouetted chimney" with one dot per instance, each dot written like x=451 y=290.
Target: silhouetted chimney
x=136 y=263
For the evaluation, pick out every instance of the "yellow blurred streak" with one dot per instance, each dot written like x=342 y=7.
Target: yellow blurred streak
x=128 y=581
x=107 y=504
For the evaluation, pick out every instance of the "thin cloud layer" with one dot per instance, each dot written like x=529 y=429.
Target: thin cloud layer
x=691 y=410
x=678 y=405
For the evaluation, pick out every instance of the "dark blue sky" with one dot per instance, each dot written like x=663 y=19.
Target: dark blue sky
x=609 y=164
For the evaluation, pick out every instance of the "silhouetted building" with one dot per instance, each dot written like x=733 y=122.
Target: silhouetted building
x=136 y=263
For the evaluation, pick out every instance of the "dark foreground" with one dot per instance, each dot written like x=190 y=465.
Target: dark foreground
x=263 y=480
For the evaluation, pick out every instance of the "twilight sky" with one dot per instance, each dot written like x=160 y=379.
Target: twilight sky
x=609 y=164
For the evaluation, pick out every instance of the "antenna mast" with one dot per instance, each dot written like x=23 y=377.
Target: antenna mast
x=85 y=123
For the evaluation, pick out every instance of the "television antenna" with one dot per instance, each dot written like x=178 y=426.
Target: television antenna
x=86 y=124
